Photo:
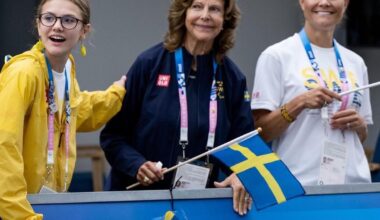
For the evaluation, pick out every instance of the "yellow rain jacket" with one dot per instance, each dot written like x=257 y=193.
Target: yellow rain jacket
x=24 y=130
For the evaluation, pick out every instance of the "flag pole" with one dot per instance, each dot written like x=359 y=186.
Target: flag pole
x=238 y=139
x=360 y=88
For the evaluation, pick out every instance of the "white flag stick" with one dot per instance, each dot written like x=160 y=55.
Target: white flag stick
x=236 y=140
x=360 y=88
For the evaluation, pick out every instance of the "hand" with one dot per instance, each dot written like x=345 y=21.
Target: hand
x=149 y=173
x=242 y=202
x=317 y=98
x=121 y=81
x=347 y=119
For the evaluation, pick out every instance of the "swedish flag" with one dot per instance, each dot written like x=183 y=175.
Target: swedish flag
x=263 y=174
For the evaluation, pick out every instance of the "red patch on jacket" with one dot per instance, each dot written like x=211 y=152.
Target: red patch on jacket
x=163 y=80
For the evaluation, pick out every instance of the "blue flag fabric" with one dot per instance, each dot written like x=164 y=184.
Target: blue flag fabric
x=263 y=174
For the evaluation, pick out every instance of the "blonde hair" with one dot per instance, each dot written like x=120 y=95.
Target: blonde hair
x=177 y=30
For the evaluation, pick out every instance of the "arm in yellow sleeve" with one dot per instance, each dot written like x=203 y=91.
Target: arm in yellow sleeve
x=17 y=89
x=98 y=107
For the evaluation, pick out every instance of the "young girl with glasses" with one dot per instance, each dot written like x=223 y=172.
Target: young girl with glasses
x=43 y=108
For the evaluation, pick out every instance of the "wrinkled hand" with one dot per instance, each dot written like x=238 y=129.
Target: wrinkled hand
x=317 y=98
x=121 y=81
x=242 y=202
x=347 y=119
x=148 y=173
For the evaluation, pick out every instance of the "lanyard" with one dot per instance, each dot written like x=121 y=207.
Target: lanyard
x=52 y=110
x=213 y=106
x=315 y=66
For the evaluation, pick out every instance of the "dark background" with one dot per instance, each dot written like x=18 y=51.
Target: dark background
x=17 y=26
x=363 y=23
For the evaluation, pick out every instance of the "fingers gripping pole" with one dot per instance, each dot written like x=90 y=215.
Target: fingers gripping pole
x=238 y=139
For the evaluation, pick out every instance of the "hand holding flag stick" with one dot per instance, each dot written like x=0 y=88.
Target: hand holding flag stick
x=238 y=139
x=264 y=176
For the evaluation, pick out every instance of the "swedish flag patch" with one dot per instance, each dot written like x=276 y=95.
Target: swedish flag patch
x=247 y=97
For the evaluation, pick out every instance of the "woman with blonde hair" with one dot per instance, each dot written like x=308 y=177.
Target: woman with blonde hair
x=316 y=132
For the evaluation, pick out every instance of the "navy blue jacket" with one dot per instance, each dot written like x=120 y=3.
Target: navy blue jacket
x=147 y=127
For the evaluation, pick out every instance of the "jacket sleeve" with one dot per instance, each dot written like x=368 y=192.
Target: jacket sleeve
x=117 y=138
x=17 y=89
x=98 y=107
x=242 y=121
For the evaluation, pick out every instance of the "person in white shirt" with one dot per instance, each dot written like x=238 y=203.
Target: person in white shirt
x=295 y=99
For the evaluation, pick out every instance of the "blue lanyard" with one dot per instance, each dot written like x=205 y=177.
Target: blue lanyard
x=213 y=109
x=52 y=110
x=51 y=100
x=315 y=66
x=181 y=74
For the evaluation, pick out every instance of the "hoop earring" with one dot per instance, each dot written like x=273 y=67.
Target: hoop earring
x=83 y=50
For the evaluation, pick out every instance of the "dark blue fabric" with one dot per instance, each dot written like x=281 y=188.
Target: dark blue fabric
x=375 y=175
x=376 y=154
x=147 y=127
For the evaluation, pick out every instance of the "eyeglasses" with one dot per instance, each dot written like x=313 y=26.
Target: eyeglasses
x=68 y=22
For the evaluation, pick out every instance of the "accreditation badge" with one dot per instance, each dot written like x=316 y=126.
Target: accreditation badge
x=333 y=164
x=192 y=176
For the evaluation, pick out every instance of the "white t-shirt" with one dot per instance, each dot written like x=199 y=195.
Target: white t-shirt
x=283 y=71
x=59 y=83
